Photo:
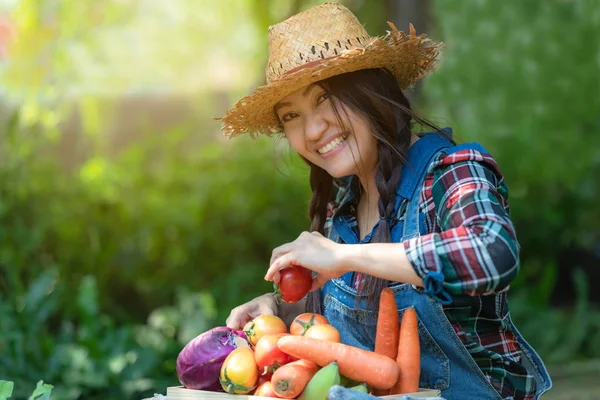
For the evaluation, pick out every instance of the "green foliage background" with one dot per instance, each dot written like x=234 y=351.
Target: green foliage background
x=111 y=260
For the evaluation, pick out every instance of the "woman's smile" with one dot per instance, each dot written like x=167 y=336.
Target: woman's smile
x=333 y=146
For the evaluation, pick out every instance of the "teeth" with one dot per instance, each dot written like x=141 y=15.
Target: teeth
x=332 y=145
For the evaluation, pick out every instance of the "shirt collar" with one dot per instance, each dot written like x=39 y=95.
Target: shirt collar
x=347 y=199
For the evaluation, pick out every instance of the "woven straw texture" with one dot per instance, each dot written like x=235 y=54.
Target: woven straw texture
x=319 y=43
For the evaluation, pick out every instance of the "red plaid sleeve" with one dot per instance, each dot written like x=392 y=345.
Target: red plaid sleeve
x=473 y=242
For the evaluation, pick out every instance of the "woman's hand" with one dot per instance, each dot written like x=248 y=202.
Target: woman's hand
x=312 y=251
x=261 y=305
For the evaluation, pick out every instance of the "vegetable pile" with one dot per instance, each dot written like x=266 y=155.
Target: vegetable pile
x=307 y=360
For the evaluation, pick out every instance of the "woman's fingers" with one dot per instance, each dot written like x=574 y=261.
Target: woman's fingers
x=318 y=281
x=240 y=315
x=237 y=319
x=279 y=251
x=277 y=265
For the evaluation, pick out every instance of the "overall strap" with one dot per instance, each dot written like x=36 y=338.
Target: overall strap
x=419 y=157
x=413 y=173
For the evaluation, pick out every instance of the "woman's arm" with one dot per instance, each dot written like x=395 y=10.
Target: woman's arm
x=382 y=260
x=473 y=249
x=476 y=251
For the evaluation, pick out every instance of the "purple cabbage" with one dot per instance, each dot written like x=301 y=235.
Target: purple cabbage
x=200 y=361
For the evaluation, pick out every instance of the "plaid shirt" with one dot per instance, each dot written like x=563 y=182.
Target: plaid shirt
x=472 y=241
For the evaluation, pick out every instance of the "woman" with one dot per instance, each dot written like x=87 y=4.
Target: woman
x=391 y=207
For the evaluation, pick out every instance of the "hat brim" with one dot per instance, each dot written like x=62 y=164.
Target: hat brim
x=407 y=58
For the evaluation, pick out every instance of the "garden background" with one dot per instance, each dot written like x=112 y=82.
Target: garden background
x=129 y=224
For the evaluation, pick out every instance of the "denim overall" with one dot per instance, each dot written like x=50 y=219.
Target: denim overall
x=445 y=362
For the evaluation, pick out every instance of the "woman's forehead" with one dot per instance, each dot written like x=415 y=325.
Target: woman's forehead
x=297 y=95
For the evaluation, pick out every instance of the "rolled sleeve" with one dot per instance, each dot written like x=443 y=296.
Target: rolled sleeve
x=473 y=249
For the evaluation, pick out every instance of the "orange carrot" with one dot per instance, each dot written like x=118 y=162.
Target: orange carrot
x=409 y=354
x=289 y=380
x=376 y=370
x=388 y=325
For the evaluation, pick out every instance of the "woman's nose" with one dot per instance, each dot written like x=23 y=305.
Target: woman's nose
x=315 y=126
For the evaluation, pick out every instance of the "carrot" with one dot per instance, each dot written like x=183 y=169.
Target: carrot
x=388 y=325
x=386 y=338
x=289 y=380
x=409 y=354
x=376 y=370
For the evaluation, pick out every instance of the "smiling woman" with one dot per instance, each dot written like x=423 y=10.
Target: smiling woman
x=391 y=208
x=311 y=124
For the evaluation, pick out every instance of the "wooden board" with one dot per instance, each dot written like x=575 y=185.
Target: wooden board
x=181 y=393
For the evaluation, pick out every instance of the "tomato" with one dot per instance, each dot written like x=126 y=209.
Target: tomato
x=263 y=325
x=266 y=389
x=239 y=373
x=323 y=332
x=261 y=379
x=294 y=284
x=304 y=321
x=268 y=356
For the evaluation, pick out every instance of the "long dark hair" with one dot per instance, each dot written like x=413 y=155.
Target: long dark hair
x=375 y=95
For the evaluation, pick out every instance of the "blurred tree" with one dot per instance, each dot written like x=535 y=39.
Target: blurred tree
x=414 y=12
x=150 y=207
x=522 y=78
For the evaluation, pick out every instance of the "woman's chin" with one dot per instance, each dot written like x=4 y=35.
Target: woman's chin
x=341 y=164
x=337 y=172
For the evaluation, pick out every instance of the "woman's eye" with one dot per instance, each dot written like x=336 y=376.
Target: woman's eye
x=324 y=96
x=289 y=116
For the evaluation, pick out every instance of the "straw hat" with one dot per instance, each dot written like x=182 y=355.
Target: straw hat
x=316 y=44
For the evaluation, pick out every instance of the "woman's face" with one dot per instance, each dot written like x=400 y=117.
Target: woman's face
x=310 y=126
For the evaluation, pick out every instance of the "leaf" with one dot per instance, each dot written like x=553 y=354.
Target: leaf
x=87 y=297
x=42 y=391
x=6 y=389
x=39 y=289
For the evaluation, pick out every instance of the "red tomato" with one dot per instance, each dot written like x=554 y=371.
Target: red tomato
x=294 y=284
x=263 y=325
x=268 y=356
x=323 y=332
x=304 y=321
